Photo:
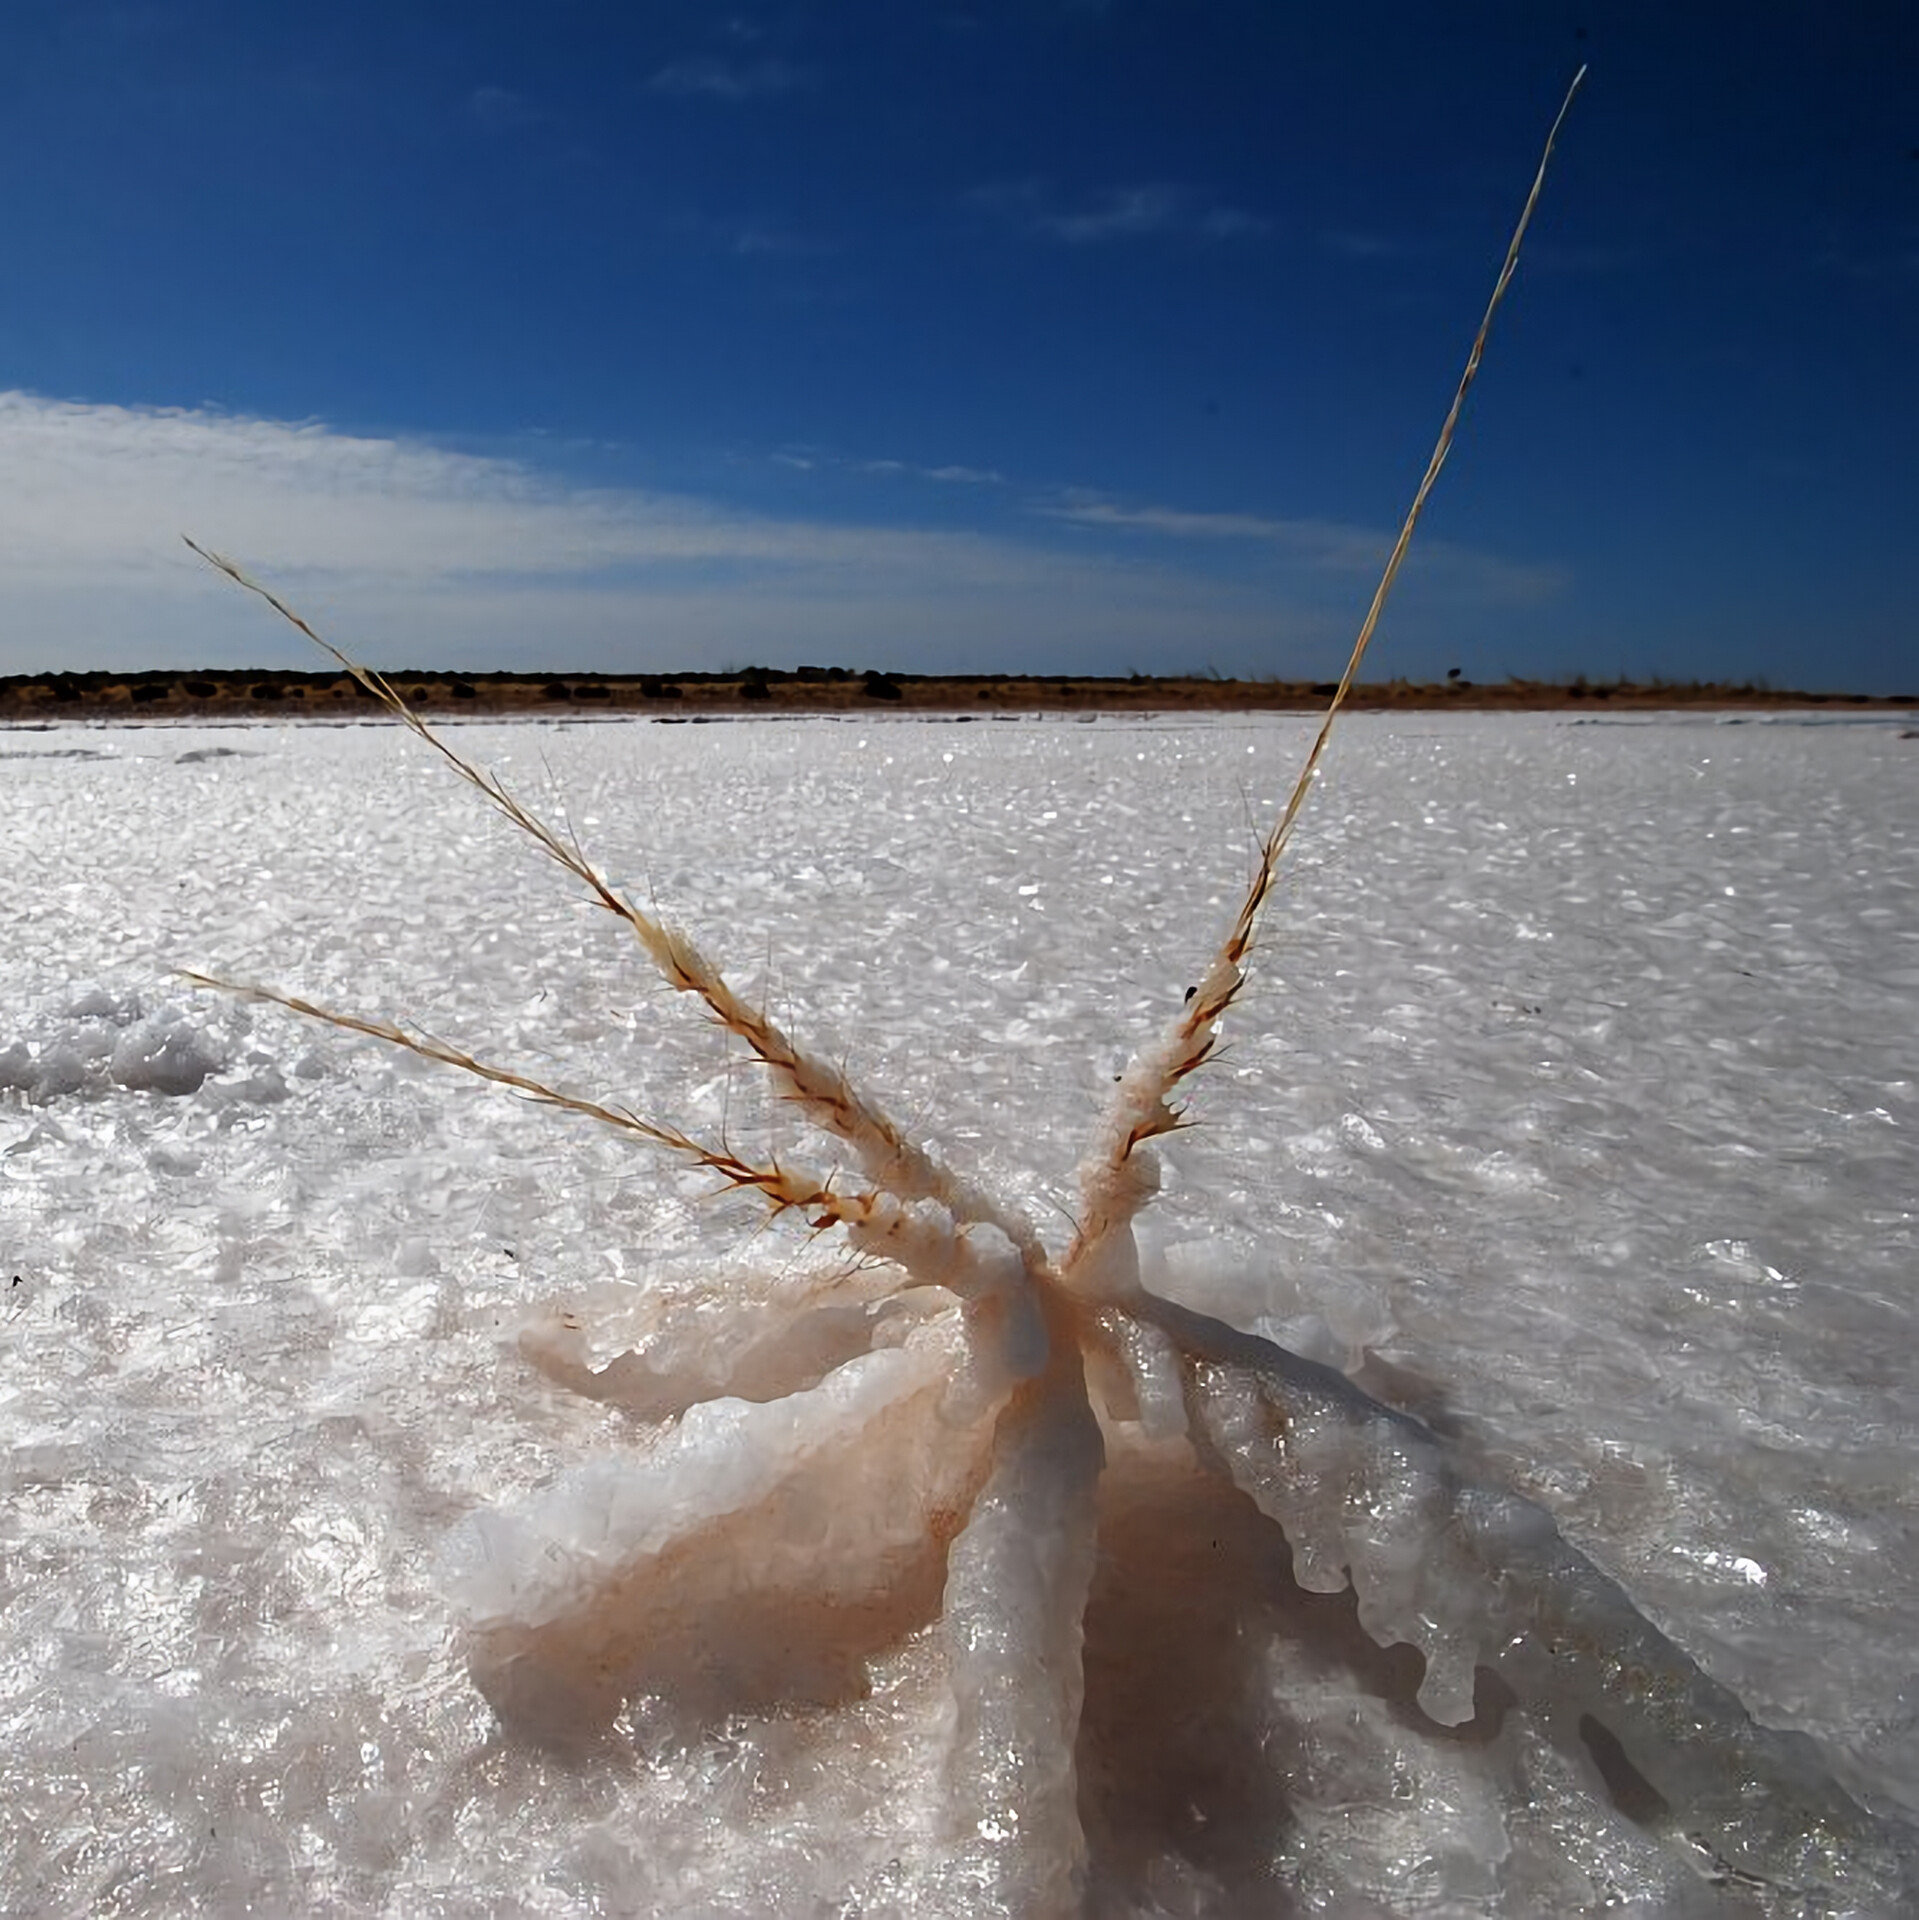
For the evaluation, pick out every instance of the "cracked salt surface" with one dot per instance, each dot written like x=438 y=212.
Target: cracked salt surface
x=1572 y=1104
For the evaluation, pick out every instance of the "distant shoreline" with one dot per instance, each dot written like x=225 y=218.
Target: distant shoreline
x=261 y=693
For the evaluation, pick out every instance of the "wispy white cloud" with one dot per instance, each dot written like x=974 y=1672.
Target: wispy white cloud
x=809 y=459
x=1131 y=210
x=730 y=80
x=950 y=474
x=1326 y=543
x=966 y=476
x=413 y=554
x=1120 y=213
x=1356 y=245
x=410 y=553
x=1325 y=547
x=779 y=243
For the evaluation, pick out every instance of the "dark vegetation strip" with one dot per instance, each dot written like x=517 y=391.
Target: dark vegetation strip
x=212 y=694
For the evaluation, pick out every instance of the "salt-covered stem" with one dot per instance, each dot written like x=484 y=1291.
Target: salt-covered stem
x=1112 y=1191
x=823 y=1093
x=1017 y=1580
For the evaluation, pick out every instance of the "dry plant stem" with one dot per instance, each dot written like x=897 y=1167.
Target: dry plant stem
x=930 y=1249
x=1111 y=1191
x=823 y=1093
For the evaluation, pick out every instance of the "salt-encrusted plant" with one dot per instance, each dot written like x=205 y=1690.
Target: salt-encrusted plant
x=926 y=1435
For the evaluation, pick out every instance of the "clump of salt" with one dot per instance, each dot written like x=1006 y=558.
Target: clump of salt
x=97 y=1039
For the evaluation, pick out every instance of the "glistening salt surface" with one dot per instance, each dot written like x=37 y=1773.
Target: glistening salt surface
x=1576 y=1083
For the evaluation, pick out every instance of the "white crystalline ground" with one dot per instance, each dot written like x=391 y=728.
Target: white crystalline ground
x=1577 y=1087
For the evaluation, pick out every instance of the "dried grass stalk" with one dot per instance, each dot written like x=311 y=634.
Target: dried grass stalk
x=892 y=1162
x=1112 y=1190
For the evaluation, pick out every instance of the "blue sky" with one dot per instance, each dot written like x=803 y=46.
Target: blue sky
x=1039 y=335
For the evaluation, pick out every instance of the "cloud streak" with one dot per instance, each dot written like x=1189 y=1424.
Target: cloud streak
x=730 y=80
x=1328 y=543
x=1118 y=214
x=411 y=553
x=949 y=475
x=1325 y=547
x=1134 y=210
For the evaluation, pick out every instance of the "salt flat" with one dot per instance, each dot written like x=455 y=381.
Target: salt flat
x=1576 y=1085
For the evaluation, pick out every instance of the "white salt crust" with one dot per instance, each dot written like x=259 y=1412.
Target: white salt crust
x=372 y=1440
